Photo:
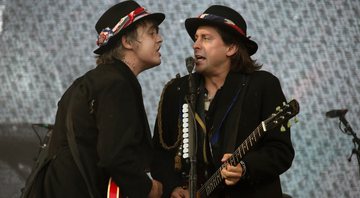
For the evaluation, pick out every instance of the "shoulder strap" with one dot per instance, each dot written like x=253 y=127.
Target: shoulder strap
x=34 y=181
x=159 y=120
x=233 y=133
x=73 y=147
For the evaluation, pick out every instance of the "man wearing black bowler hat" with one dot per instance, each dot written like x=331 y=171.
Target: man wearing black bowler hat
x=107 y=113
x=232 y=98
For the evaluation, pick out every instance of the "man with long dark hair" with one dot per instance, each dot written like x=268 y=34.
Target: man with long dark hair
x=232 y=98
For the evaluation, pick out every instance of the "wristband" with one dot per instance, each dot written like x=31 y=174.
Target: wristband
x=243 y=166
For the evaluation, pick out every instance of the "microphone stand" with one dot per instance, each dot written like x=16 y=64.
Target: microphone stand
x=191 y=97
x=356 y=140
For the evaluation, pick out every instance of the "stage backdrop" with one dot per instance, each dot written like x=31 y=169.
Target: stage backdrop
x=312 y=46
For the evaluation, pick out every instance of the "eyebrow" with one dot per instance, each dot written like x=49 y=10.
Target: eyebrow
x=154 y=26
x=202 y=35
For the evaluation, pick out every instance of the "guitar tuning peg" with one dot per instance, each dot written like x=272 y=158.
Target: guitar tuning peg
x=296 y=120
x=277 y=108
x=284 y=103
x=289 y=124
x=282 y=129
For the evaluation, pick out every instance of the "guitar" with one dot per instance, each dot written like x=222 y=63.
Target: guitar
x=113 y=190
x=282 y=114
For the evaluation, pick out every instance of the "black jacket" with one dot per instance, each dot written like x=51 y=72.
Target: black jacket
x=112 y=134
x=270 y=157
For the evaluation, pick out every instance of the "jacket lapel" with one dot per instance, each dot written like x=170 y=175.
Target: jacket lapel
x=137 y=87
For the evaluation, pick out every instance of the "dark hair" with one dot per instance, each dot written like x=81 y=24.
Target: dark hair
x=241 y=60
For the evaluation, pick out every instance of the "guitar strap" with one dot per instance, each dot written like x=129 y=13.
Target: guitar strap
x=232 y=135
x=73 y=146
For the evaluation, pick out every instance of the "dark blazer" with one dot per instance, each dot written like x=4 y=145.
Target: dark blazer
x=270 y=157
x=112 y=133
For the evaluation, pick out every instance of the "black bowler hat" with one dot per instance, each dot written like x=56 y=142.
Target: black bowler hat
x=117 y=19
x=224 y=18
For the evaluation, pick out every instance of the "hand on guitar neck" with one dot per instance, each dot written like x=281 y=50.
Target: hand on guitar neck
x=231 y=174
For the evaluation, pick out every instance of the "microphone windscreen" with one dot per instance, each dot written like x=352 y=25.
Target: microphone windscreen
x=190 y=62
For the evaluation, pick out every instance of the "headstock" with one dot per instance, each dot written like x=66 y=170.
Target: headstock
x=283 y=113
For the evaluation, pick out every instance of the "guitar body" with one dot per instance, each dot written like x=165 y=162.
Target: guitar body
x=113 y=190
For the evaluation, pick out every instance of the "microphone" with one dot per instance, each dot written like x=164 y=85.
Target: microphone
x=190 y=62
x=192 y=127
x=336 y=113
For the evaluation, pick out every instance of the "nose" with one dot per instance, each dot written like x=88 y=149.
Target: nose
x=196 y=44
x=159 y=39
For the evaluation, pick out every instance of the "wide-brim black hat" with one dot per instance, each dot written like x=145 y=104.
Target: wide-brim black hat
x=119 y=18
x=226 y=19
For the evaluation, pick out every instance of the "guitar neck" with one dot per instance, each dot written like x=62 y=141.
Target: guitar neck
x=235 y=159
x=282 y=114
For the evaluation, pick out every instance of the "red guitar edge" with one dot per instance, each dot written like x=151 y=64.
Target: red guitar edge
x=113 y=190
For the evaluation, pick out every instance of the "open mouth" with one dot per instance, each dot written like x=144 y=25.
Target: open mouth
x=158 y=50
x=199 y=58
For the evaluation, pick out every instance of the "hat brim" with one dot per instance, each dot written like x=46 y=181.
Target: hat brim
x=157 y=17
x=192 y=24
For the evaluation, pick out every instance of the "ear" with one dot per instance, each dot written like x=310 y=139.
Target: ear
x=232 y=49
x=126 y=43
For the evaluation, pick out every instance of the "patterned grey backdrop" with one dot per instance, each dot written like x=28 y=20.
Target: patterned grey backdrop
x=312 y=46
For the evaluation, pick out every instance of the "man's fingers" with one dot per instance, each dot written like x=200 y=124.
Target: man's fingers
x=179 y=193
x=230 y=182
x=226 y=156
x=230 y=173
